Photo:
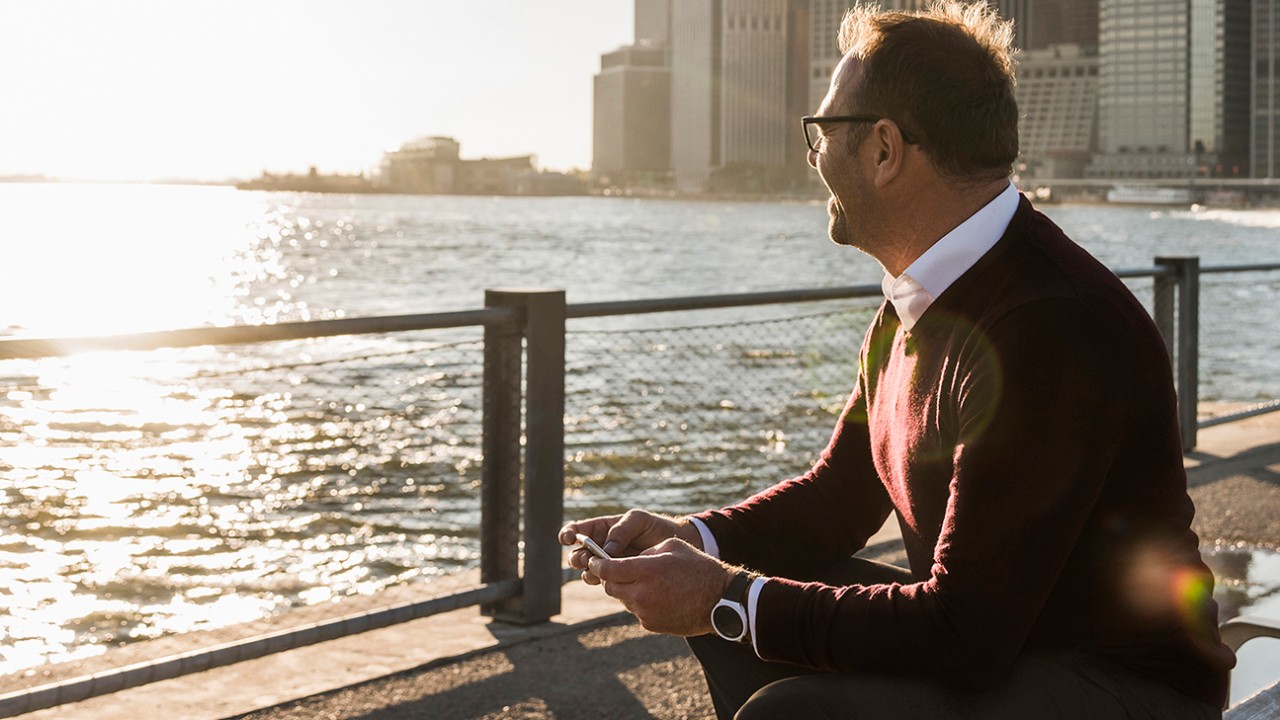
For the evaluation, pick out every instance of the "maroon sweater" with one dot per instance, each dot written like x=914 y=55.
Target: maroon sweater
x=1025 y=434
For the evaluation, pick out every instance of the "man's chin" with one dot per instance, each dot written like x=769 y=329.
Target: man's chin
x=838 y=227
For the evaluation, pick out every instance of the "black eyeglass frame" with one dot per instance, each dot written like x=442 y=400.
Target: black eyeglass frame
x=808 y=120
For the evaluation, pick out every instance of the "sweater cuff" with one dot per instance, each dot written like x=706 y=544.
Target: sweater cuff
x=774 y=638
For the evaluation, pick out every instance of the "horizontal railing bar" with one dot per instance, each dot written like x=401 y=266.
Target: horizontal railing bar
x=1258 y=267
x=1153 y=271
x=76 y=689
x=27 y=348
x=1241 y=414
x=709 y=302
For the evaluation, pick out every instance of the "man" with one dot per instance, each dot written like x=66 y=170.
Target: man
x=1014 y=409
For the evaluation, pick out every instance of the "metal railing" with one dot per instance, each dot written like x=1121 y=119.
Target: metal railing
x=523 y=443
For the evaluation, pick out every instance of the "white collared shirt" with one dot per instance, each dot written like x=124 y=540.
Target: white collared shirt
x=912 y=293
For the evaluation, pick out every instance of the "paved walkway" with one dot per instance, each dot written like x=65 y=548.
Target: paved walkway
x=592 y=661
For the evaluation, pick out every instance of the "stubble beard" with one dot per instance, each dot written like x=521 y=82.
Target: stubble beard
x=838 y=225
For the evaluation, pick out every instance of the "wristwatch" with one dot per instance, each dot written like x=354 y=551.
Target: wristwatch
x=729 y=616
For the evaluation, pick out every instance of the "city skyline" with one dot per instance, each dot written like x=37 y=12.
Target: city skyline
x=150 y=90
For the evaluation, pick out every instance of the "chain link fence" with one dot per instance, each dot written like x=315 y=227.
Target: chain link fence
x=681 y=418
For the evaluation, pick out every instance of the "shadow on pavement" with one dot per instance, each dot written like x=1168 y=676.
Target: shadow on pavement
x=611 y=669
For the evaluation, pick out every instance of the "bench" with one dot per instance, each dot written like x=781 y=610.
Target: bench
x=1264 y=704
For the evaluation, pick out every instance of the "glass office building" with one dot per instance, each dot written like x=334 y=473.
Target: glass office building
x=1265 y=75
x=765 y=55
x=695 y=91
x=1173 y=91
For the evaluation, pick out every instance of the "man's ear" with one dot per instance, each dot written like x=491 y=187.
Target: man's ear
x=890 y=152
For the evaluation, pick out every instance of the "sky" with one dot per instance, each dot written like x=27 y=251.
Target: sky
x=227 y=89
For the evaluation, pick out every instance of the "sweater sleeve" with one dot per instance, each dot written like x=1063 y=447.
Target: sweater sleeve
x=809 y=522
x=1041 y=404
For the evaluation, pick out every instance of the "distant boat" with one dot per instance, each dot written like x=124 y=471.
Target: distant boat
x=1142 y=195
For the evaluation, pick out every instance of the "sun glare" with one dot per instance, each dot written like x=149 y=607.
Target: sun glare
x=98 y=260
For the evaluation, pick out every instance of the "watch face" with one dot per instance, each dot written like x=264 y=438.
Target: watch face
x=727 y=622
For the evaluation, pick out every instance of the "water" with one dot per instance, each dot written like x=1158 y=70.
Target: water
x=1248 y=582
x=143 y=494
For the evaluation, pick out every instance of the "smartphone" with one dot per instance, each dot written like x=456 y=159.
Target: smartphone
x=592 y=547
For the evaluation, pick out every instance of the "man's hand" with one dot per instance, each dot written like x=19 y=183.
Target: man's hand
x=671 y=587
x=624 y=536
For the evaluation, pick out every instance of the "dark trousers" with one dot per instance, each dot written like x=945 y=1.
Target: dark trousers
x=1066 y=687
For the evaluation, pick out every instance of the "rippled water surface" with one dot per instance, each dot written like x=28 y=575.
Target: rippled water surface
x=151 y=493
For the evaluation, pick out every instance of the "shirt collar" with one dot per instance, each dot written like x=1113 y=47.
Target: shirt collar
x=942 y=264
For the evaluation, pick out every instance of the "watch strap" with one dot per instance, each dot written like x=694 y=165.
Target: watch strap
x=738 y=587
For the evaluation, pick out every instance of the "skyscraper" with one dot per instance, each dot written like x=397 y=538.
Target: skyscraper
x=824 y=32
x=1172 y=102
x=653 y=22
x=1041 y=23
x=632 y=136
x=1037 y=25
x=765 y=61
x=1265 y=76
x=695 y=91
x=739 y=83
x=824 y=35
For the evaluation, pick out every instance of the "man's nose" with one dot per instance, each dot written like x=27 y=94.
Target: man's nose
x=813 y=159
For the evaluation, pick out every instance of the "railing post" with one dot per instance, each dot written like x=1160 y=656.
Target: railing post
x=1185 y=341
x=1164 y=301
x=544 y=331
x=544 y=455
x=500 y=470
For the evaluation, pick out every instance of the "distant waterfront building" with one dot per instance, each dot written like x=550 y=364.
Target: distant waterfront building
x=432 y=166
x=312 y=181
x=765 y=89
x=1265 y=75
x=695 y=91
x=1057 y=95
x=1173 y=89
x=632 y=129
x=426 y=165
x=493 y=176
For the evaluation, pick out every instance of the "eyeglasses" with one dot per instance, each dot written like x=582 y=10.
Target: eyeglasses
x=808 y=121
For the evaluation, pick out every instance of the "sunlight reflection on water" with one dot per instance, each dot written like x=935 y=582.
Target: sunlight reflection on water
x=147 y=494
